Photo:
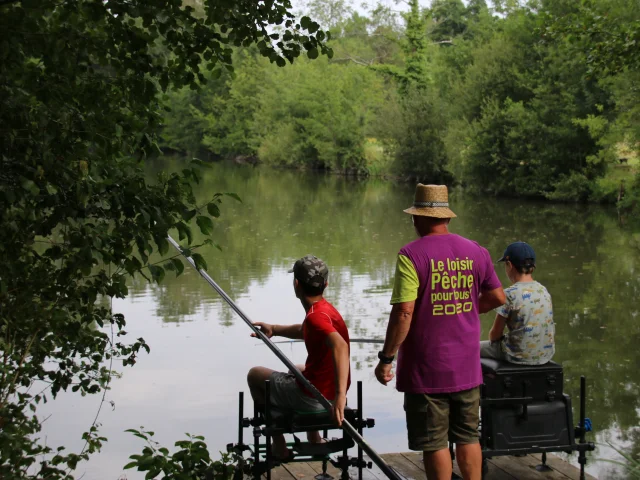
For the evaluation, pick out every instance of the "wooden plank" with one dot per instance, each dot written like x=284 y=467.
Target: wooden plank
x=416 y=459
x=279 y=473
x=533 y=462
x=331 y=470
x=493 y=472
x=300 y=470
x=563 y=466
x=374 y=471
x=404 y=466
x=367 y=474
x=496 y=473
x=409 y=466
x=518 y=467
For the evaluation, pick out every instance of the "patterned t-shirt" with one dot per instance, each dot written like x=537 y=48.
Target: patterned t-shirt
x=529 y=314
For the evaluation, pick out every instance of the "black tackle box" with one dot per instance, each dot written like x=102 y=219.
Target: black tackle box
x=547 y=424
x=506 y=380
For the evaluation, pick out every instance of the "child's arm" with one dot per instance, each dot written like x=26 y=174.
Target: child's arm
x=499 y=323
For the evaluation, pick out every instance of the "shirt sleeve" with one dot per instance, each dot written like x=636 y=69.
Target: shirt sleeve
x=504 y=310
x=406 y=283
x=490 y=280
x=319 y=323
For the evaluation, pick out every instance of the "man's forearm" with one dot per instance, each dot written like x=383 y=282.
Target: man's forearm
x=398 y=328
x=288 y=331
x=490 y=300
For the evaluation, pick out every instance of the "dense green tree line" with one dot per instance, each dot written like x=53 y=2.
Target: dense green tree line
x=535 y=98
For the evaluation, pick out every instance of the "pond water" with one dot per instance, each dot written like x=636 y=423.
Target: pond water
x=200 y=351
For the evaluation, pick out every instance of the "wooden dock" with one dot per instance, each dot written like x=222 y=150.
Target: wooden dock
x=409 y=466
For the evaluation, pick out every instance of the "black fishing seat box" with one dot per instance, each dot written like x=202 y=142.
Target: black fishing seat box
x=523 y=407
x=503 y=380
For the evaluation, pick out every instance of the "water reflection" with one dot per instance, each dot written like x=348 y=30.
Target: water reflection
x=201 y=351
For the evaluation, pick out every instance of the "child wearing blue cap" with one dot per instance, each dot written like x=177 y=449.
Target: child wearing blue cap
x=528 y=314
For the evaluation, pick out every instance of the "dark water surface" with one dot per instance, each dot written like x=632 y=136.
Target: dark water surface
x=200 y=351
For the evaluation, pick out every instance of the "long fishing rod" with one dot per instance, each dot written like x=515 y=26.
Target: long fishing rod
x=347 y=427
x=351 y=340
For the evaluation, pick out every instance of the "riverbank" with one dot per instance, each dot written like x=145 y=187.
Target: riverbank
x=620 y=183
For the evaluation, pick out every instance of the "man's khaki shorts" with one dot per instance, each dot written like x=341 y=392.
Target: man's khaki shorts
x=435 y=419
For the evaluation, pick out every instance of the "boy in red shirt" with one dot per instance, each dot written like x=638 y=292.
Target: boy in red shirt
x=327 y=340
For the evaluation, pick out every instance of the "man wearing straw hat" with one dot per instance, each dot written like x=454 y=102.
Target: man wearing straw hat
x=442 y=283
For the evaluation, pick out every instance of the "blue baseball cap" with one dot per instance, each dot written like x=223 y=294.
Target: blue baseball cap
x=518 y=253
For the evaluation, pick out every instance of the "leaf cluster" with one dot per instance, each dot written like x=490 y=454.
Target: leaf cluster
x=191 y=460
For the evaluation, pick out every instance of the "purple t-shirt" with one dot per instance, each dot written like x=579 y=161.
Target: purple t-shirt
x=441 y=353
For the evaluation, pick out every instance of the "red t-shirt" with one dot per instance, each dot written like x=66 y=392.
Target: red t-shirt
x=321 y=320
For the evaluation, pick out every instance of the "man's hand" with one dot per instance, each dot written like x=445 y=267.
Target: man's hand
x=384 y=373
x=337 y=412
x=265 y=328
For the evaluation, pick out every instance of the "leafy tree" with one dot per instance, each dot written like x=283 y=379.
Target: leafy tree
x=414 y=46
x=607 y=33
x=317 y=116
x=476 y=7
x=228 y=113
x=510 y=103
x=415 y=125
x=522 y=104
x=449 y=17
x=79 y=107
x=329 y=13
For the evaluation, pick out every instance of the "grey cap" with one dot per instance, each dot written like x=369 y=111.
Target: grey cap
x=310 y=270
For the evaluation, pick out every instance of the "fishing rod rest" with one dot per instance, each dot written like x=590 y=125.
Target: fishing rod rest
x=269 y=420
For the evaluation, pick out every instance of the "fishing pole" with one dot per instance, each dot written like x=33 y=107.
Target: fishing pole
x=346 y=426
x=351 y=340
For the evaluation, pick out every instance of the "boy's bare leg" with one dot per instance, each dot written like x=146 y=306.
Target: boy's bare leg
x=279 y=447
x=256 y=378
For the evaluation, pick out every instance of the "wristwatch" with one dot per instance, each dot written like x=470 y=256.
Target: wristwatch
x=384 y=359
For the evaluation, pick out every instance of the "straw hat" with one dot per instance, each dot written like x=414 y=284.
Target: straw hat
x=431 y=201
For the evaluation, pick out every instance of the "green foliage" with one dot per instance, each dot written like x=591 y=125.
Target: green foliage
x=79 y=107
x=415 y=126
x=608 y=31
x=524 y=98
x=317 y=116
x=191 y=461
x=414 y=46
x=229 y=115
x=449 y=17
x=182 y=128
x=631 y=201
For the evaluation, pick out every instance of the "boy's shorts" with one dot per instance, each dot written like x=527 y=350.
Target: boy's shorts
x=286 y=393
x=435 y=419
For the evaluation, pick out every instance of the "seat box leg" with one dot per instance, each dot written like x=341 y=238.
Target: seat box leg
x=543 y=467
